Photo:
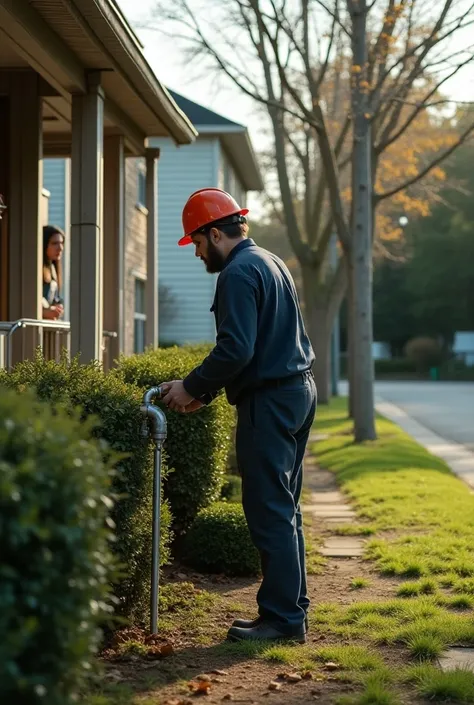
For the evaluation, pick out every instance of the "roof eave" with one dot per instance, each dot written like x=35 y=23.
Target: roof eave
x=136 y=71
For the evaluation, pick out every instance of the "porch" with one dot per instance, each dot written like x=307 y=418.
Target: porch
x=74 y=83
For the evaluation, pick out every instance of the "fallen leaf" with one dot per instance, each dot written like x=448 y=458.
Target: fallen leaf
x=200 y=687
x=218 y=672
x=160 y=651
x=331 y=666
x=274 y=686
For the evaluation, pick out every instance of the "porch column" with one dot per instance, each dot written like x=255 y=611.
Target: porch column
x=86 y=221
x=151 y=332
x=114 y=200
x=24 y=202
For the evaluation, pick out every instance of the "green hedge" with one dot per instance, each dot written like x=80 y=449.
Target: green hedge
x=232 y=489
x=198 y=444
x=219 y=542
x=116 y=405
x=55 y=561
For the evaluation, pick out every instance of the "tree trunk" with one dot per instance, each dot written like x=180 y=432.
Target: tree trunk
x=319 y=330
x=361 y=249
x=350 y=343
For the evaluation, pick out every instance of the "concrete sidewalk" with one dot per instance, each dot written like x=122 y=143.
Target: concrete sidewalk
x=455 y=455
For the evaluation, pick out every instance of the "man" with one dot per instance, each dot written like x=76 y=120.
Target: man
x=263 y=359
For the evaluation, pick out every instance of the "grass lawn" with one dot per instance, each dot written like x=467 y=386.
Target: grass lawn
x=418 y=523
x=424 y=520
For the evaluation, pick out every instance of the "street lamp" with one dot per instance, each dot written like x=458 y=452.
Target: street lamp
x=403 y=221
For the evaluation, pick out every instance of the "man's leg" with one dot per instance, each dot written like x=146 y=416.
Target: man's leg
x=266 y=453
x=296 y=486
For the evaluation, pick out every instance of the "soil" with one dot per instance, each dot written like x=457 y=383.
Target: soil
x=241 y=678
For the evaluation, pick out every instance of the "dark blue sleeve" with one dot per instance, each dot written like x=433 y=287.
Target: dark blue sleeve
x=236 y=334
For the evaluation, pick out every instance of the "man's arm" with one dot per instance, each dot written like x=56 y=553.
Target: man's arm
x=236 y=335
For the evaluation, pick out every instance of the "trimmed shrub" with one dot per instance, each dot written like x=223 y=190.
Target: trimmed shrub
x=55 y=562
x=424 y=353
x=198 y=444
x=232 y=489
x=396 y=367
x=116 y=407
x=219 y=542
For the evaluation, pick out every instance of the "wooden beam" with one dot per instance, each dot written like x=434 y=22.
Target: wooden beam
x=87 y=222
x=152 y=156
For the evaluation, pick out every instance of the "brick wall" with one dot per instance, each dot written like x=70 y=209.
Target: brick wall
x=135 y=246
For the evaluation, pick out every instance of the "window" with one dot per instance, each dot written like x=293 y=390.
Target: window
x=139 y=317
x=141 y=185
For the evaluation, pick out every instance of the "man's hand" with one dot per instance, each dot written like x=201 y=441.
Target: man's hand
x=176 y=397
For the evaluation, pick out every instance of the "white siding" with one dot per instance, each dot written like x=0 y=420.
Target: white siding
x=229 y=179
x=54 y=179
x=181 y=171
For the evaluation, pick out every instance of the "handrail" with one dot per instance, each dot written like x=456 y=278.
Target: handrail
x=9 y=327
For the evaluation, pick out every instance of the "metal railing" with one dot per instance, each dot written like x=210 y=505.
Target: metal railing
x=8 y=328
x=53 y=338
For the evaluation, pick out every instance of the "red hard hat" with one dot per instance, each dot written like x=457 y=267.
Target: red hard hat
x=206 y=206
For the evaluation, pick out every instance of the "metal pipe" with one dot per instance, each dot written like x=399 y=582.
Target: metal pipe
x=14 y=327
x=154 y=420
x=155 y=562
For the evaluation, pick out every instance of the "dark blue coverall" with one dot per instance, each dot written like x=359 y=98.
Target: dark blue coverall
x=263 y=358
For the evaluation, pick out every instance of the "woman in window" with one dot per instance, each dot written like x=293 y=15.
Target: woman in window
x=53 y=246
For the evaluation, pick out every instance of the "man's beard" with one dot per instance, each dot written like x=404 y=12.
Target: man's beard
x=214 y=259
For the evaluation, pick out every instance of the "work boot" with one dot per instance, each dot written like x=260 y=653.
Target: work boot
x=264 y=631
x=249 y=623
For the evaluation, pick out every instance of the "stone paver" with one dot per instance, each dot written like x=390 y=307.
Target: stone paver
x=315 y=436
x=343 y=547
x=457 y=658
x=330 y=508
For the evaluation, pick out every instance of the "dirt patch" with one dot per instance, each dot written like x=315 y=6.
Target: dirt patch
x=200 y=654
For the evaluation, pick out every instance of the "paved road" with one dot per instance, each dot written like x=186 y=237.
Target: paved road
x=447 y=408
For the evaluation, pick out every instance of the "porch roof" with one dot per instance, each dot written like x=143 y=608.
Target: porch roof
x=64 y=39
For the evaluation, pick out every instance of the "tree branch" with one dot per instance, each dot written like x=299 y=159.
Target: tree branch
x=444 y=155
x=421 y=105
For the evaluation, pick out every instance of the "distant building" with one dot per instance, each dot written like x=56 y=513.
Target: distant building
x=463 y=347
x=75 y=87
x=222 y=156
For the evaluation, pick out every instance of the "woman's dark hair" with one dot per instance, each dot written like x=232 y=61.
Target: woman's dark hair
x=48 y=232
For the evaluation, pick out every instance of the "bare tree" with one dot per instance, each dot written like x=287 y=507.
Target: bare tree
x=309 y=62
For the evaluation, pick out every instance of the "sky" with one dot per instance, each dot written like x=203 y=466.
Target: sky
x=165 y=56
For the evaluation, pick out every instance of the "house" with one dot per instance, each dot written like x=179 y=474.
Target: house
x=74 y=84
x=221 y=156
x=463 y=347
